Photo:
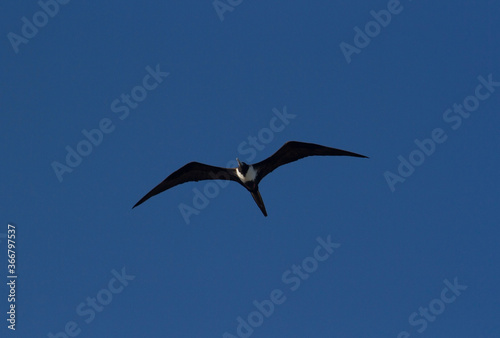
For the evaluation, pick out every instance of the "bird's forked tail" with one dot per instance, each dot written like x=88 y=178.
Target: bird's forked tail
x=258 y=199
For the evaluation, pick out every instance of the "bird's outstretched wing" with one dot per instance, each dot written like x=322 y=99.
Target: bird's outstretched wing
x=193 y=171
x=292 y=151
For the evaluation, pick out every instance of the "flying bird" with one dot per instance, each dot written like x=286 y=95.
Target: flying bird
x=248 y=175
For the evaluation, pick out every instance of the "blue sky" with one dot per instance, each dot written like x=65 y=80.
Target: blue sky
x=101 y=101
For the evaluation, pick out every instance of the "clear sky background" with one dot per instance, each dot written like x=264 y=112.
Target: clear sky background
x=229 y=77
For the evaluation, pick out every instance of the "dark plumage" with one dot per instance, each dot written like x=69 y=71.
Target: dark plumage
x=247 y=175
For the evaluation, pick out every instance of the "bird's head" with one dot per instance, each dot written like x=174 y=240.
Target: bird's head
x=242 y=167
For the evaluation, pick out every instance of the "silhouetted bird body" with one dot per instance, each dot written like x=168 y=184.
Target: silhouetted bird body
x=247 y=175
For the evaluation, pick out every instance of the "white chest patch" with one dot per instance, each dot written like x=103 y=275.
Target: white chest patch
x=250 y=176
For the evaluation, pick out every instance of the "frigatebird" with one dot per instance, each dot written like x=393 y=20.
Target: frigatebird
x=248 y=175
